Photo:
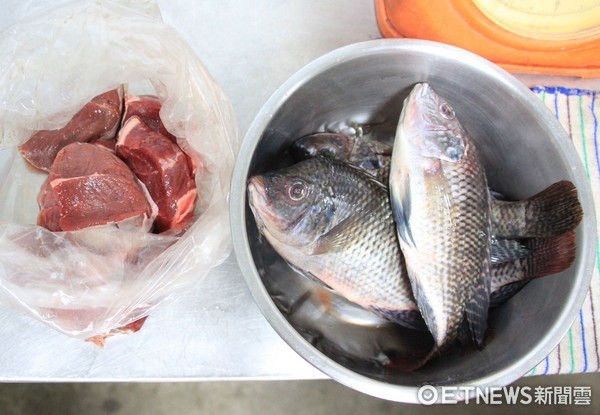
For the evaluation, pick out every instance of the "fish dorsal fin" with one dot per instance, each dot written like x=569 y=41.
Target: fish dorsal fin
x=346 y=232
x=401 y=207
x=368 y=177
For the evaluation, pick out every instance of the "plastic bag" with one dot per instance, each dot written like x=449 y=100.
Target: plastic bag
x=87 y=283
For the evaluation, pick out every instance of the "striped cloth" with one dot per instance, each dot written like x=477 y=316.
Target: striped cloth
x=579 y=113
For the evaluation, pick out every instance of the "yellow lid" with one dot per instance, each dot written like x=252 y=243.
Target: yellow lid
x=545 y=19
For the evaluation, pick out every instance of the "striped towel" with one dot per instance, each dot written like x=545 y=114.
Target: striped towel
x=579 y=113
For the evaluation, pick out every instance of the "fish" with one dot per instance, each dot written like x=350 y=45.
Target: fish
x=549 y=212
x=373 y=156
x=441 y=205
x=332 y=223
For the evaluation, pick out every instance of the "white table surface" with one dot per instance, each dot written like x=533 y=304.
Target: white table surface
x=214 y=331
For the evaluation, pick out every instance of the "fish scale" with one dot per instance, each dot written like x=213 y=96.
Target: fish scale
x=357 y=264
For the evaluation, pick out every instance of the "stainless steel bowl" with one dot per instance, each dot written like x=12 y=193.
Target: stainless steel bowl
x=524 y=150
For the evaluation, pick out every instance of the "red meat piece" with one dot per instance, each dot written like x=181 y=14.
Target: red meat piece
x=49 y=215
x=97 y=199
x=147 y=108
x=163 y=167
x=97 y=119
x=90 y=186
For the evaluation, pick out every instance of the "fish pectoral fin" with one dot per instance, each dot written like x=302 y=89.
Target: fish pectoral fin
x=344 y=233
x=476 y=310
x=309 y=276
x=507 y=250
x=401 y=207
x=427 y=312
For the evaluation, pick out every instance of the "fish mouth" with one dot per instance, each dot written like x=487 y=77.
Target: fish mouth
x=257 y=193
x=416 y=111
x=259 y=202
x=412 y=106
x=422 y=89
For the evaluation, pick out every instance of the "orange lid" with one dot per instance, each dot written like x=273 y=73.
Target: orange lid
x=461 y=23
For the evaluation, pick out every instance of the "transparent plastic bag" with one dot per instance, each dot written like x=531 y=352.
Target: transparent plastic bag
x=88 y=283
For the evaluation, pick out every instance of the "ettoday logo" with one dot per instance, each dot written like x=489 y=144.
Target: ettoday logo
x=511 y=395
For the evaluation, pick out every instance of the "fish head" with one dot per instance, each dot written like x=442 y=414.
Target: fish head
x=430 y=126
x=330 y=145
x=294 y=205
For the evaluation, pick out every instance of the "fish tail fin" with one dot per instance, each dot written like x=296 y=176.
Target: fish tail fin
x=476 y=310
x=550 y=255
x=505 y=250
x=547 y=256
x=554 y=210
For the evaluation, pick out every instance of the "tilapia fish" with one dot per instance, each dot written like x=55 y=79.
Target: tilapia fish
x=441 y=204
x=548 y=213
x=333 y=222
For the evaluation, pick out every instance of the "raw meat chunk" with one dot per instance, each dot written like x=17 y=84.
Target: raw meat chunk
x=74 y=161
x=82 y=159
x=97 y=199
x=147 y=108
x=90 y=186
x=99 y=119
x=163 y=167
x=49 y=215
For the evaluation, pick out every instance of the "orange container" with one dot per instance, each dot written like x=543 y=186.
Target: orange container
x=461 y=23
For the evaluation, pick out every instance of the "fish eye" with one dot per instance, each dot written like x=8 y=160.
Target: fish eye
x=297 y=190
x=446 y=111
